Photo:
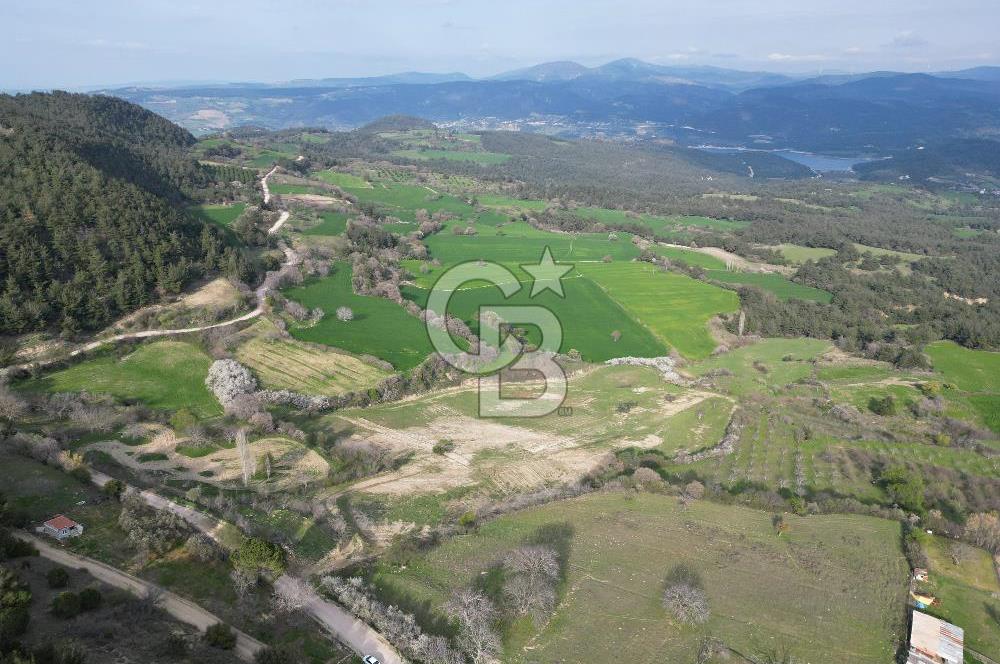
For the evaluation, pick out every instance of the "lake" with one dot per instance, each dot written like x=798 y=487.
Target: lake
x=820 y=163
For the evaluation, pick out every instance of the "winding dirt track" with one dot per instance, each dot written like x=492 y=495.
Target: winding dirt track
x=291 y=258
x=178 y=607
x=332 y=617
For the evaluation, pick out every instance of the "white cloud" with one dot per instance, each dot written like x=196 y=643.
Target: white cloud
x=907 y=40
x=789 y=57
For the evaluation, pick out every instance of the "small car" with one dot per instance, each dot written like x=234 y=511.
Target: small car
x=371 y=659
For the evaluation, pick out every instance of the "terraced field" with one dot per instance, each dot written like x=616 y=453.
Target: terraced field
x=283 y=364
x=619 y=548
x=781 y=286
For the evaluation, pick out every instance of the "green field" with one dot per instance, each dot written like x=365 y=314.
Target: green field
x=689 y=256
x=782 y=287
x=976 y=374
x=331 y=223
x=168 y=375
x=521 y=243
x=831 y=589
x=799 y=254
x=786 y=360
x=588 y=317
x=676 y=308
x=490 y=200
x=485 y=158
x=380 y=327
x=222 y=215
x=969 y=593
x=970 y=370
x=285 y=188
x=655 y=222
x=345 y=180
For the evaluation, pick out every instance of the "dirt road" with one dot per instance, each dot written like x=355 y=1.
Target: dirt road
x=291 y=258
x=178 y=607
x=343 y=625
x=263 y=185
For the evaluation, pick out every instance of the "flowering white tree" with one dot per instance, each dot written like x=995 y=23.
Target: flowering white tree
x=345 y=313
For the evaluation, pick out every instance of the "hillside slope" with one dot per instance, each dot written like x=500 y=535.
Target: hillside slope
x=91 y=223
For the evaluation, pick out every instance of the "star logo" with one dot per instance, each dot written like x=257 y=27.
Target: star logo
x=547 y=274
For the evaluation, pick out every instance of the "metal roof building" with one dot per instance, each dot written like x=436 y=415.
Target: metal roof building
x=934 y=641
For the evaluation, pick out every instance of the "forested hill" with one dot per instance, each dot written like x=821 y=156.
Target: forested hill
x=91 y=222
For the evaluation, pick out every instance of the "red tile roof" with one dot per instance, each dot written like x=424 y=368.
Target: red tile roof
x=60 y=522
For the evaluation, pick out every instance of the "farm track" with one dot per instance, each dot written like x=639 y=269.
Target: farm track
x=180 y=608
x=291 y=258
x=358 y=636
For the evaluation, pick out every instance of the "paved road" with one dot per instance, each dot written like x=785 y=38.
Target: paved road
x=178 y=607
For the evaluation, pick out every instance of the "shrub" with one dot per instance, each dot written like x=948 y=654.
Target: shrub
x=66 y=605
x=884 y=406
x=81 y=474
x=257 y=554
x=220 y=636
x=685 y=597
x=443 y=447
x=467 y=520
x=114 y=488
x=57 y=577
x=273 y=656
x=90 y=599
x=13 y=622
x=904 y=488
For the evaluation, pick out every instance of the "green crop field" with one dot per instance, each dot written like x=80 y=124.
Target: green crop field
x=976 y=374
x=490 y=200
x=485 y=158
x=521 y=243
x=970 y=370
x=285 y=188
x=220 y=214
x=587 y=315
x=380 y=327
x=331 y=223
x=831 y=589
x=344 y=180
x=655 y=222
x=781 y=286
x=799 y=254
x=676 y=308
x=689 y=256
x=164 y=374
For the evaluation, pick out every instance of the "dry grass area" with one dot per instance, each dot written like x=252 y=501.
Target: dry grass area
x=281 y=363
x=216 y=293
x=612 y=408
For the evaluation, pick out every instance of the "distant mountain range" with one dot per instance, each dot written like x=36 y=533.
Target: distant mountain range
x=874 y=113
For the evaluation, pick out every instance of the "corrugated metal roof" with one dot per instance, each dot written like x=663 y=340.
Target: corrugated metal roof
x=936 y=638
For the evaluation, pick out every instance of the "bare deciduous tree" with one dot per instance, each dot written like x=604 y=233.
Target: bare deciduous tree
x=983 y=529
x=291 y=594
x=685 y=597
x=476 y=617
x=248 y=462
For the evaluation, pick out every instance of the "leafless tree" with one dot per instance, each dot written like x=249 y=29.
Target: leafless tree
x=685 y=597
x=11 y=406
x=243 y=581
x=983 y=529
x=291 y=594
x=248 y=462
x=476 y=617
x=694 y=490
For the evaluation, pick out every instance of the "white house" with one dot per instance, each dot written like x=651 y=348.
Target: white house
x=62 y=527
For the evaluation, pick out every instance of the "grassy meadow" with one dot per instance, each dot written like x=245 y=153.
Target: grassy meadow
x=167 y=375
x=840 y=596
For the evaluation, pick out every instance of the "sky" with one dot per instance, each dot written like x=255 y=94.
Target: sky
x=71 y=44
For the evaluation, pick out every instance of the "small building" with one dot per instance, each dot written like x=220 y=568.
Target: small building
x=934 y=641
x=62 y=527
x=920 y=574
